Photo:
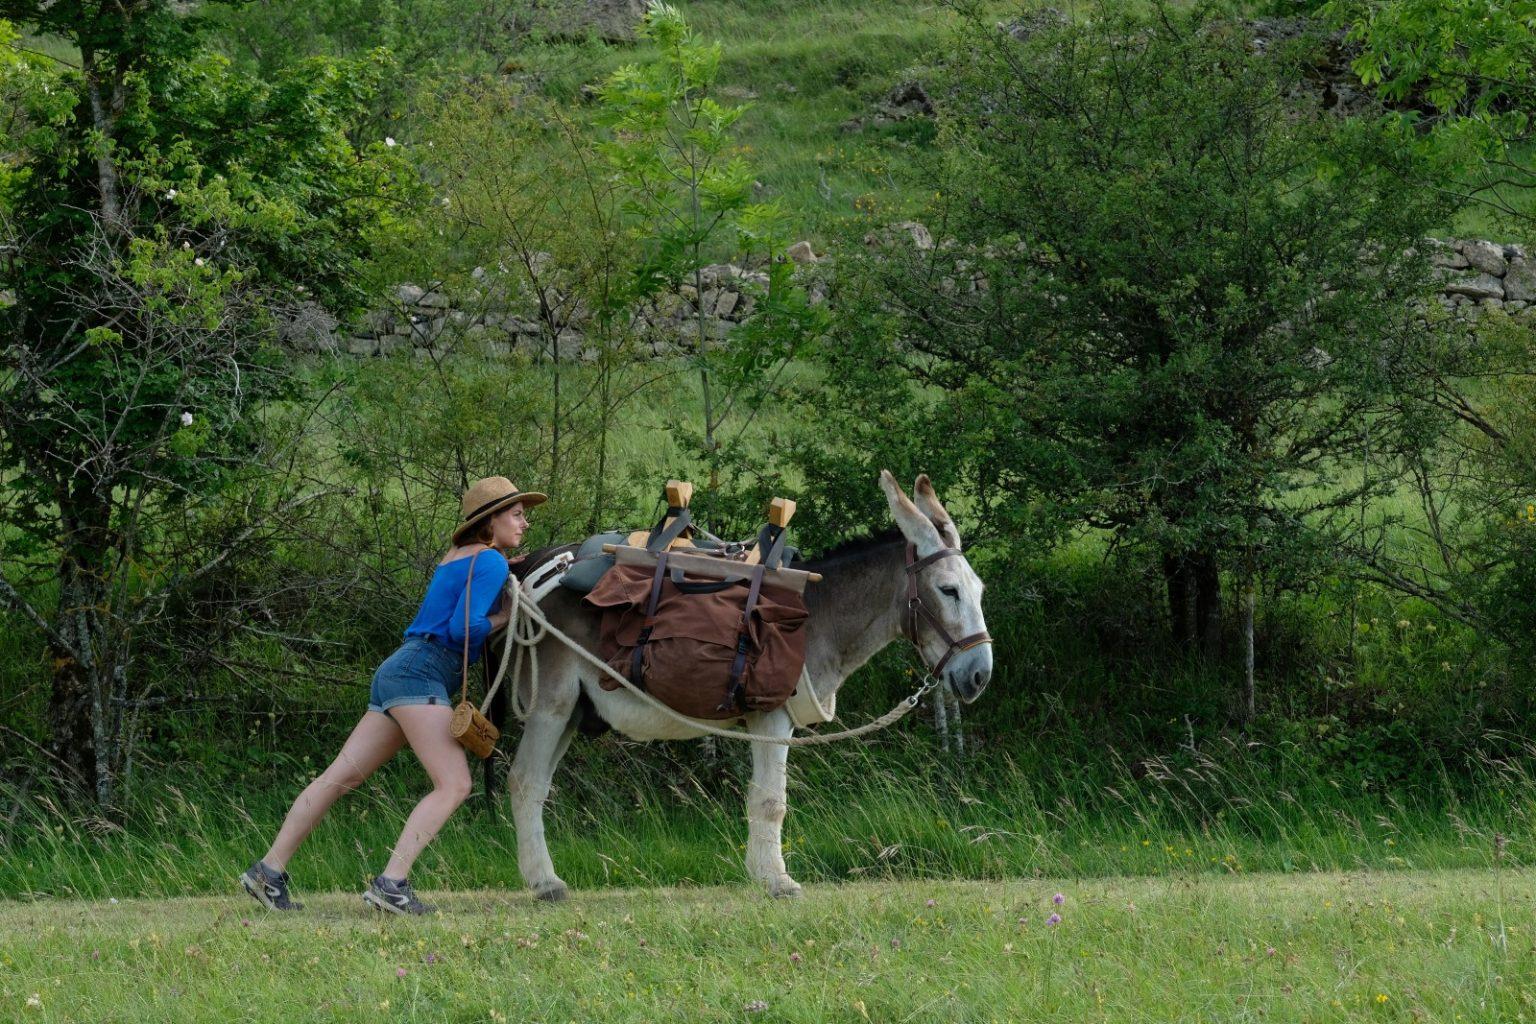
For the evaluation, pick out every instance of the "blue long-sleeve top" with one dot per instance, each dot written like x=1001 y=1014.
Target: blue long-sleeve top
x=441 y=617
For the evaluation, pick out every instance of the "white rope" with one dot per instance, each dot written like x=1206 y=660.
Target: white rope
x=527 y=627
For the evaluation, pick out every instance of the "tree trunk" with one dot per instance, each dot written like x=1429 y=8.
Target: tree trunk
x=1181 y=609
x=106 y=100
x=1207 y=605
x=1248 y=687
x=71 y=736
x=957 y=725
x=604 y=417
x=941 y=718
x=89 y=677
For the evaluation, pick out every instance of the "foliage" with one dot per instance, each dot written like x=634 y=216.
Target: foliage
x=1466 y=72
x=153 y=232
x=1175 y=308
x=686 y=194
x=1469 y=550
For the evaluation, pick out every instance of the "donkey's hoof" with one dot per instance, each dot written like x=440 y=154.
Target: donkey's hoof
x=552 y=892
x=784 y=888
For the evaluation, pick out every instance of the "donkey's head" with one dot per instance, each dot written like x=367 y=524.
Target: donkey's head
x=943 y=617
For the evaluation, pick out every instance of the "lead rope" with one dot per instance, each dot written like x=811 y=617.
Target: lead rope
x=527 y=627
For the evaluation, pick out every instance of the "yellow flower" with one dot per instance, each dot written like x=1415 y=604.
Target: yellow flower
x=1381 y=997
x=383 y=1004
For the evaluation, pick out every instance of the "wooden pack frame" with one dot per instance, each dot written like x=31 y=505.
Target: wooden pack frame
x=675 y=532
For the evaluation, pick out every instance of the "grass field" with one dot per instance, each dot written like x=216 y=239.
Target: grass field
x=1447 y=946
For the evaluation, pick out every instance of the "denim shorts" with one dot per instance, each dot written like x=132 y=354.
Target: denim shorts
x=421 y=671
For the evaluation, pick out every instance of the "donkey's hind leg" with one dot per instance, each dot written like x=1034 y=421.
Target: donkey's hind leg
x=766 y=805
x=546 y=735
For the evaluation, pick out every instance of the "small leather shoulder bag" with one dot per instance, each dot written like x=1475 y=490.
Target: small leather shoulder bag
x=469 y=726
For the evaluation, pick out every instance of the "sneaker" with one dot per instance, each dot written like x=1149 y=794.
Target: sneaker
x=268 y=887
x=396 y=897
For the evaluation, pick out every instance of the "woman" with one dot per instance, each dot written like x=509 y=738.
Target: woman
x=412 y=702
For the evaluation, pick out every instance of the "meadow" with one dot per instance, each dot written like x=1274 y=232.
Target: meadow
x=1117 y=840
x=1325 y=947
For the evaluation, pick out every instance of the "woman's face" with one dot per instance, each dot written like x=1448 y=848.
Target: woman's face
x=508 y=527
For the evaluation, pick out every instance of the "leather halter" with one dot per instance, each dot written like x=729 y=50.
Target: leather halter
x=916 y=608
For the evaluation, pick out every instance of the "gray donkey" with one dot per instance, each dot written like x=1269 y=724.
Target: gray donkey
x=864 y=602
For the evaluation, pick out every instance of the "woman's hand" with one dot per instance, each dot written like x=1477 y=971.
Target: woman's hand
x=498 y=618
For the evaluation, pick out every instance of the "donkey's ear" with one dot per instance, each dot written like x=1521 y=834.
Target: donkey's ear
x=928 y=504
x=915 y=526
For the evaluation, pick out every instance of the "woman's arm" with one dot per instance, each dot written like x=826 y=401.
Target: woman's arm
x=490 y=574
x=498 y=618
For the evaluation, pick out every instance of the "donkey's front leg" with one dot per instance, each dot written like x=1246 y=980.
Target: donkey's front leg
x=546 y=734
x=766 y=805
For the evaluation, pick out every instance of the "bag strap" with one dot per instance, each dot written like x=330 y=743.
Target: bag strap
x=735 y=697
x=469 y=583
x=636 y=666
x=770 y=545
x=663 y=534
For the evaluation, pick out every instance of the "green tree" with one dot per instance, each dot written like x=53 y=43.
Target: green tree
x=1462 y=73
x=155 y=227
x=688 y=198
x=1178 y=301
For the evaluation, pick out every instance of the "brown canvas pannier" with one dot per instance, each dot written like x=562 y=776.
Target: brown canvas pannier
x=706 y=648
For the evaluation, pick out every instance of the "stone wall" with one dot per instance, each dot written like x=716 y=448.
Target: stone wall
x=1478 y=275
x=428 y=320
x=1481 y=275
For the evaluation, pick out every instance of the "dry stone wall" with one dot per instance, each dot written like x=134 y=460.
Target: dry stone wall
x=428 y=320
x=1477 y=276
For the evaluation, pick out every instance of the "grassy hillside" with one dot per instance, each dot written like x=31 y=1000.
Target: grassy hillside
x=808 y=67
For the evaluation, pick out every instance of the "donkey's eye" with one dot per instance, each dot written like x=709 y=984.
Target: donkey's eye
x=951 y=592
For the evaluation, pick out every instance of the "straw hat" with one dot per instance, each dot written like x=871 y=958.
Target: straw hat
x=487 y=497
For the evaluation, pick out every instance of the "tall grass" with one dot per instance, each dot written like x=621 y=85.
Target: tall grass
x=887 y=810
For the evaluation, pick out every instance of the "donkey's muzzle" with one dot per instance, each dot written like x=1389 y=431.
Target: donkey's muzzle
x=968 y=672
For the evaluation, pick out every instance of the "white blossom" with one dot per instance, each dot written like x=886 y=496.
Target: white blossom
x=171 y=194
x=389 y=141
x=186 y=419
x=197 y=262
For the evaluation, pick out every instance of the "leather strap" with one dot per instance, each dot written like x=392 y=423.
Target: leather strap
x=916 y=609
x=660 y=539
x=469 y=582
x=735 y=696
x=636 y=666
x=770 y=545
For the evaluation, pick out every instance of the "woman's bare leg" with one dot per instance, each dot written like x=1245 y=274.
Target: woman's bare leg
x=374 y=741
x=426 y=729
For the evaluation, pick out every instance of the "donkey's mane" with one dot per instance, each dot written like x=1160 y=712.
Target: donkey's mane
x=852 y=550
